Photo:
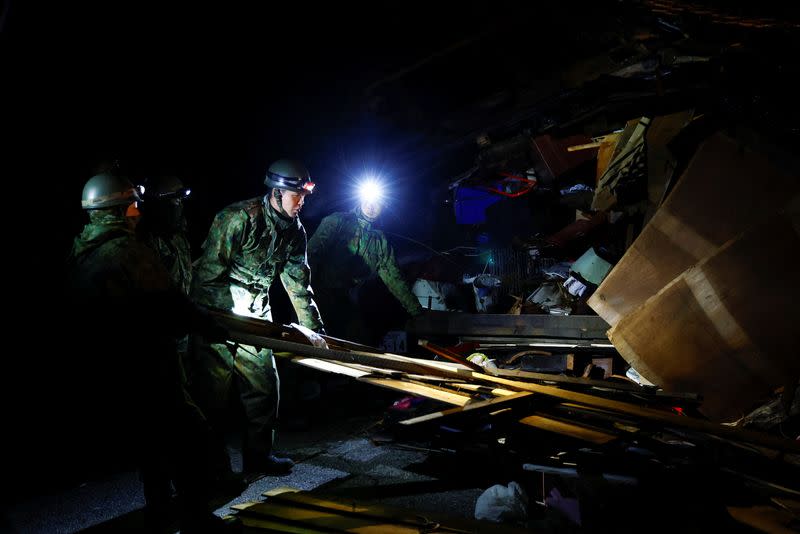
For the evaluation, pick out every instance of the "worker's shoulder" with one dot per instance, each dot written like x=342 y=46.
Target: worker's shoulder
x=339 y=216
x=243 y=209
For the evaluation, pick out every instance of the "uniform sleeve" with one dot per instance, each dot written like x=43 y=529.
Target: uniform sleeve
x=295 y=278
x=322 y=239
x=210 y=280
x=389 y=272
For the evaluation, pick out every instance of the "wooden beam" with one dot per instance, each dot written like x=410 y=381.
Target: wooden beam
x=567 y=429
x=416 y=365
x=649 y=414
x=480 y=405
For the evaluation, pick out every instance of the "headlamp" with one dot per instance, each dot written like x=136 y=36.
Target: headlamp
x=370 y=190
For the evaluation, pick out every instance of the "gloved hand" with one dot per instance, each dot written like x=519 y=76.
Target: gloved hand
x=321 y=331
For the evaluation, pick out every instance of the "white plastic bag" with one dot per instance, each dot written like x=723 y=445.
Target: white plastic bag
x=503 y=504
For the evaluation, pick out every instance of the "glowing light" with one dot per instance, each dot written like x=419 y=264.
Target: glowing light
x=370 y=190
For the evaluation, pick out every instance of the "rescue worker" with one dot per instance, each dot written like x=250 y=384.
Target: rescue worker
x=121 y=293
x=162 y=227
x=250 y=243
x=345 y=251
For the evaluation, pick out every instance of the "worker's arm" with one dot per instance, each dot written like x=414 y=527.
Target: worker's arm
x=295 y=278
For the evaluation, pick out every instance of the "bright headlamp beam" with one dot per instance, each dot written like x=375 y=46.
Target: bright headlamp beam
x=370 y=190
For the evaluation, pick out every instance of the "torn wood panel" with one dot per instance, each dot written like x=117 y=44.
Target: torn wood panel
x=583 y=433
x=722 y=328
x=725 y=187
x=628 y=165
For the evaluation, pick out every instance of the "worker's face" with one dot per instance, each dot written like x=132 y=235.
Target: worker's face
x=292 y=202
x=371 y=209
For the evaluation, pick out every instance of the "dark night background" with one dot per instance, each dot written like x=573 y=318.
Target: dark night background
x=215 y=92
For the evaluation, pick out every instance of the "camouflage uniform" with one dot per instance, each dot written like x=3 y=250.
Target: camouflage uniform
x=248 y=245
x=121 y=293
x=344 y=252
x=173 y=249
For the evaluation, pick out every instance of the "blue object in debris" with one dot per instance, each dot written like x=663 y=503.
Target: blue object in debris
x=471 y=203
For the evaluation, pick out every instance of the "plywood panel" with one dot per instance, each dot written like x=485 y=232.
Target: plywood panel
x=724 y=189
x=725 y=327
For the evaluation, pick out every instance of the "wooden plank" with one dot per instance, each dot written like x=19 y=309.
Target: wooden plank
x=429 y=392
x=479 y=405
x=617 y=406
x=605 y=152
x=649 y=414
x=764 y=518
x=320 y=519
x=583 y=433
x=588 y=327
x=479 y=388
x=268 y=525
x=723 y=327
x=686 y=229
x=429 y=522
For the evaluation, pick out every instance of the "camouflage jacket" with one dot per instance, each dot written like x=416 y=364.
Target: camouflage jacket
x=346 y=250
x=175 y=253
x=108 y=260
x=115 y=279
x=247 y=246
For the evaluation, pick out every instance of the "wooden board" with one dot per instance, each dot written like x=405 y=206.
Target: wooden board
x=725 y=327
x=320 y=519
x=411 y=388
x=423 y=522
x=725 y=187
x=480 y=405
x=588 y=327
x=580 y=432
x=649 y=414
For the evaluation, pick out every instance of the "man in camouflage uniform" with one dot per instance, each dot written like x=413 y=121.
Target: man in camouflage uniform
x=344 y=252
x=249 y=244
x=163 y=227
x=120 y=292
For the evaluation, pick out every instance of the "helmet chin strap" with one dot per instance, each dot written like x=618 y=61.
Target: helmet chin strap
x=277 y=194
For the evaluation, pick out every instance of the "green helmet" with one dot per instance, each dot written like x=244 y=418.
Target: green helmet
x=105 y=190
x=289 y=174
x=164 y=188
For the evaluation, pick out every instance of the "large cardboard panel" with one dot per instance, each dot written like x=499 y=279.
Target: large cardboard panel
x=724 y=189
x=724 y=327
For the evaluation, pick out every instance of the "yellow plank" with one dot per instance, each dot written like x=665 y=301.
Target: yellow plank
x=472 y=406
x=317 y=518
x=567 y=429
x=428 y=392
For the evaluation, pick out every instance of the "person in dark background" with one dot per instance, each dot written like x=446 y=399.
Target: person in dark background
x=346 y=250
x=163 y=227
x=118 y=288
x=249 y=244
